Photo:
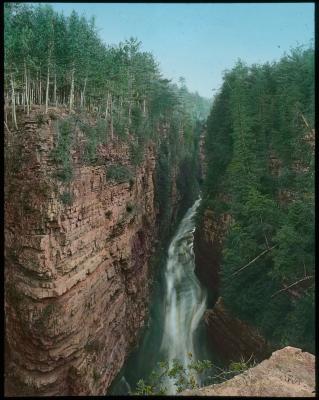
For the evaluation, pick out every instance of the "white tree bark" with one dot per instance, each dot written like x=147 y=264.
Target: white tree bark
x=72 y=90
x=14 y=117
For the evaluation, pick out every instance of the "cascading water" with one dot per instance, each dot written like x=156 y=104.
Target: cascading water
x=185 y=299
x=175 y=314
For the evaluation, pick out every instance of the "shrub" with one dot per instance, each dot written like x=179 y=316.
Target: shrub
x=93 y=346
x=42 y=322
x=52 y=115
x=94 y=135
x=119 y=173
x=120 y=128
x=129 y=207
x=67 y=198
x=96 y=375
x=186 y=377
x=108 y=214
x=136 y=153
x=61 y=154
x=40 y=120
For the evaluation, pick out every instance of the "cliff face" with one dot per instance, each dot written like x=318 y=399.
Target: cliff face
x=76 y=272
x=208 y=238
x=232 y=338
x=228 y=337
x=289 y=372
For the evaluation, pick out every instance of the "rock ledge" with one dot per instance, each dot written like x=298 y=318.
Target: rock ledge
x=289 y=372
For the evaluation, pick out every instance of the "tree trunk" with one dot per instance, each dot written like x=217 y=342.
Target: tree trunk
x=54 y=92
x=107 y=105
x=129 y=113
x=47 y=90
x=40 y=90
x=14 y=117
x=6 y=102
x=72 y=90
x=26 y=87
x=83 y=93
x=111 y=112
x=144 y=107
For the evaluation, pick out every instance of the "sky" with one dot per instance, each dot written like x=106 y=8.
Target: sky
x=200 y=41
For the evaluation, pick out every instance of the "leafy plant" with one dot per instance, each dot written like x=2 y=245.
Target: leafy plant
x=187 y=377
x=40 y=119
x=119 y=173
x=136 y=153
x=61 y=154
x=129 y=207
x=67 y=198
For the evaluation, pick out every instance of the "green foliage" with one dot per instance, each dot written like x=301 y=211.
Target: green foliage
x=119 y=173
x=61 y=154
x=93 y=346
x=163 y=188
x=96 y=375
x=95 y=135
x=183 y=377
x=67 y=198
x=258 y=116
x=188 y=377
x=130 y=207
x=40 y=119
x=108 y=214
x=136 y=153
x=14 y=295
x=52 y=115
x=42 y=322
x=187 y=180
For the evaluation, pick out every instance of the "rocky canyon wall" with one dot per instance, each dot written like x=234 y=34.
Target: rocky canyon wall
x=76 y=265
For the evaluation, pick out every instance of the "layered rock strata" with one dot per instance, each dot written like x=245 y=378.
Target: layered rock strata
x=289 y=372
x=76 y=266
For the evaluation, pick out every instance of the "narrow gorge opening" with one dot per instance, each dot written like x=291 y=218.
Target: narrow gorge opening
x=175 y=329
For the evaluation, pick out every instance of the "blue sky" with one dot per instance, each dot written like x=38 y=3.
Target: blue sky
x=200 y=41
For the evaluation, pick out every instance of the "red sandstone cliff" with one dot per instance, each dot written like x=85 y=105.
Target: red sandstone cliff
x=76 y=276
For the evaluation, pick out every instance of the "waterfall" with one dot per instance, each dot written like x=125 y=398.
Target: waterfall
x=185 y=300
x=177 y=311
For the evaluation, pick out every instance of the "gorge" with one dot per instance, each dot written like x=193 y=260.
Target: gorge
x=147 y=224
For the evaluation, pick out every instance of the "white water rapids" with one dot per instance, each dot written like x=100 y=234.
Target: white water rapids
x=177 y=311
x=185 y=299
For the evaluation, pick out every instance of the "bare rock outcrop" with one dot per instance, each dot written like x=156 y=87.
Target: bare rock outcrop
x=76 y=267
x=289 y=372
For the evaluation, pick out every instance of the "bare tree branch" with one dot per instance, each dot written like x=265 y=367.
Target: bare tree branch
x=293 y=284
x=7 y=127
x=255 y=259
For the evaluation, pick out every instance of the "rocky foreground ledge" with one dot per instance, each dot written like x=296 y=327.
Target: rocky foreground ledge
x=289 y=372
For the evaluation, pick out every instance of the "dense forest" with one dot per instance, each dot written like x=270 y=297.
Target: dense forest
x=56 y=62
x=260 y=154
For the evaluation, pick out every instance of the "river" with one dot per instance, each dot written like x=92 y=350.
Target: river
x=178 y=305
